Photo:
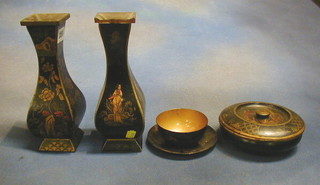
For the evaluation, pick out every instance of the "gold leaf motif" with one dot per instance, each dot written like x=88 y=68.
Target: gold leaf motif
x=43 y=80
x=46 y=94
x=54 y=77
x=61 y=97
x=49 y=125
x=47 y=45
x=59 y=94
x=237 y=125
x=58 y=87
x=47 y=67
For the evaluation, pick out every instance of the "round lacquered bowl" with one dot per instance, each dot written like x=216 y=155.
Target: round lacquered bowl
x=182 y=127
x=261 y=127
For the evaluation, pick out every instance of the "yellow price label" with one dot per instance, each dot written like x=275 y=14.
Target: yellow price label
x=130 y=134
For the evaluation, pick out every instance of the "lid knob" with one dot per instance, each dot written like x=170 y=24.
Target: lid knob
x=262 y=114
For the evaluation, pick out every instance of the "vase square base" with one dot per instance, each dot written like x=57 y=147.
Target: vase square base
x=123 y=145
x=62 y=144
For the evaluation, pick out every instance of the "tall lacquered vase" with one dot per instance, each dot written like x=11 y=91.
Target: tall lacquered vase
x=58 y=105
x=120 y=112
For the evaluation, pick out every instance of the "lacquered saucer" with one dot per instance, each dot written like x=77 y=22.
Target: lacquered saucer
x=207 y=142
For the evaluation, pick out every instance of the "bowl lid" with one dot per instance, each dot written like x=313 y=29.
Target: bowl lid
x=262 y=121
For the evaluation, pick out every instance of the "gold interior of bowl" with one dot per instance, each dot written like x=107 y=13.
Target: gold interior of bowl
x=182 y=120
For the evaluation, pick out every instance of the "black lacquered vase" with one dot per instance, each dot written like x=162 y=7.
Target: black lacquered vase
x=58 y=105
x=120 y=112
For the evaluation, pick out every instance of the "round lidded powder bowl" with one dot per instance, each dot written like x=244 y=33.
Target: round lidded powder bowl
x=261 y=127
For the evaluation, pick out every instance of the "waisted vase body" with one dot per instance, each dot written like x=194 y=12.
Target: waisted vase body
x=58 y=105
x=120 y=111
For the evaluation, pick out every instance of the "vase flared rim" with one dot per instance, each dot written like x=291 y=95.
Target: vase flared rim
x=115 y=17
x=45 y=19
